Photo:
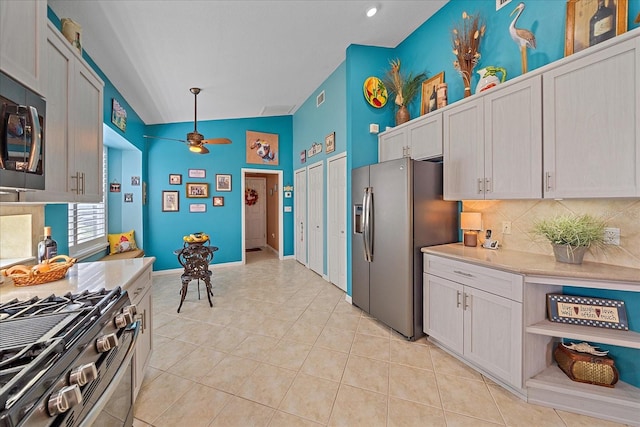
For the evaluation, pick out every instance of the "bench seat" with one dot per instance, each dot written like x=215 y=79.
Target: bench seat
x=136 y=253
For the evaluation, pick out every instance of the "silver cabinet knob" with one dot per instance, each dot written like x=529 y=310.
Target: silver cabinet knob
x=106 y=343
x=83 y=374
x=63 y=399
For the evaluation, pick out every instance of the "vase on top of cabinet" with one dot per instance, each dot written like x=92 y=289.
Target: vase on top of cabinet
x=489 y=79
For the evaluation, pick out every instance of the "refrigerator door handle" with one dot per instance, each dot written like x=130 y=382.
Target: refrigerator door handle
x=368 y=224
x=364 y=224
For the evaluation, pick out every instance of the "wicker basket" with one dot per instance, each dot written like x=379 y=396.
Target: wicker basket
x=585 y=367
x=48 y=271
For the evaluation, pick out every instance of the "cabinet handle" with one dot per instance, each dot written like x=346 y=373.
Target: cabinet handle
x=408 y=151
x=547 y=181
x=463 y=273
x=466 y=298
x=480 y=182
x=487 y=185
x=77 y=178
x=83 y=182
x=457 y=299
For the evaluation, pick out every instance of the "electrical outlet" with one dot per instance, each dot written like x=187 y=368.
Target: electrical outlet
x=506 y=227
x=612 y=236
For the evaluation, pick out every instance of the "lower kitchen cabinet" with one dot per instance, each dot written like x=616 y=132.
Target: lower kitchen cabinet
x=467 y=311
x=141 y=295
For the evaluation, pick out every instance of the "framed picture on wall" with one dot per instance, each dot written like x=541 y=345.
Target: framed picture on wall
x=218 y=201
x=429 y=101
x=196 y=189
x=587 y=24
x=223 y=182
x=330 y=143
x=170 y=201
x=175 y=179
x=197 y=207
x=197 y=173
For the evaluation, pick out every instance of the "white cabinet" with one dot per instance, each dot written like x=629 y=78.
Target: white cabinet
x=73 y=150
x=22 y=39
x=476 y=313
x=493 y=144
x=141 y=295
x=419 y=139
x=591 y=125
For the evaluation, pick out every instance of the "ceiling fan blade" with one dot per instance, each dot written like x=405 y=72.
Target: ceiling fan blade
x=162 y=137
x=216 y=141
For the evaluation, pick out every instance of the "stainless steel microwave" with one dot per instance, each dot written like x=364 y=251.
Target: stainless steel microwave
x=22 y=136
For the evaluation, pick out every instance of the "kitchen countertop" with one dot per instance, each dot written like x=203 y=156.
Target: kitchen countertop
x=81 y=277
x=530 y=264
x=10 y=262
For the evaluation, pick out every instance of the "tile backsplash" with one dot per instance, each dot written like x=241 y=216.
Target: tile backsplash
x=619 y=213
x=20 y=229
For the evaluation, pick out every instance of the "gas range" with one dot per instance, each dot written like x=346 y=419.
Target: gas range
x=60 y=354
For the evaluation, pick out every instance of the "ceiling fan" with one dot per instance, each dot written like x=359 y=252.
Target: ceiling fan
x=195 y=140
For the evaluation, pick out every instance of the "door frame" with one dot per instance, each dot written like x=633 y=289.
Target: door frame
x=243 y=172
x=319 y=164
x=262 y=183
x=346 y=218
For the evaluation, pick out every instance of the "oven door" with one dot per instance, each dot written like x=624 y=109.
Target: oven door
x=113 y=405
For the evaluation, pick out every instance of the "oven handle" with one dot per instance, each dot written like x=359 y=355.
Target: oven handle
x=106 y=395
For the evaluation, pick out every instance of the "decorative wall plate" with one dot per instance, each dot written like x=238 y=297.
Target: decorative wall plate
x=375 y=92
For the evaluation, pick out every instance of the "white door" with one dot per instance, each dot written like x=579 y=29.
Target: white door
x=300 y=206
x=255 y=215
x=337 y=221
x=315 y=210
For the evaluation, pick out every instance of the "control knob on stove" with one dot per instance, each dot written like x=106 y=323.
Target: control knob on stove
x=130 y=309
x=106 y=343
x=123 y=319
x=63 y=399
x=83 y=374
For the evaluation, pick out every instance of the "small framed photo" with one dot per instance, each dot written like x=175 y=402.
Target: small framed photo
x=223 y=182
x=303 y=156
x=429 y=101
x=330 y=143
x=135 y=180
x=197 y=207
x=196 y=189
x=581 y=33
x=114 y=187
x=175 y=179
x=218 y=201
x=128 y=197
x=170 y=201
x=197 y=173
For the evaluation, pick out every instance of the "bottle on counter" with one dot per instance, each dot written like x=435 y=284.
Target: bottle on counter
x=47 y=247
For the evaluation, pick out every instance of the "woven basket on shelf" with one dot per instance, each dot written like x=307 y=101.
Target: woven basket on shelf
x=48 y=271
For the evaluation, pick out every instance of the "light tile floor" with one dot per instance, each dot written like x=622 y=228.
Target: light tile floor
x=282 y=347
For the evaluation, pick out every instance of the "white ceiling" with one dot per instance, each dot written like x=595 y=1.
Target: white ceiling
x=247 y=56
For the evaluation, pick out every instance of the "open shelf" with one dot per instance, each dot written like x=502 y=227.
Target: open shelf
x=629 y=339
x=552 y=387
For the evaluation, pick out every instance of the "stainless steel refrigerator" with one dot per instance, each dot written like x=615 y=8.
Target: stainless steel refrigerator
x=397 y=209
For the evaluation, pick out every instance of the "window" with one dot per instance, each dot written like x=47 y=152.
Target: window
x=87 y=223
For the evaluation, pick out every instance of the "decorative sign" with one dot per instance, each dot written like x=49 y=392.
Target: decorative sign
x=587 y=311
x=287 y=188
x=118 y=115
x=316 y=148
x=114 y=187
x=128 y=197
x=303 y=156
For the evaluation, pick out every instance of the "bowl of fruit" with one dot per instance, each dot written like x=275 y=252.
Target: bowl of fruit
x=199 y=237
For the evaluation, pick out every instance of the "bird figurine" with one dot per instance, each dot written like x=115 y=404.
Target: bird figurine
x=523 y=38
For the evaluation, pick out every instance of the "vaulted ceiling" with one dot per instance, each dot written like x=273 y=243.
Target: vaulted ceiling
x=251 y=58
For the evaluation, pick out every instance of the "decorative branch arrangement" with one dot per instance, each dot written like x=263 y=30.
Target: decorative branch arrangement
x=404 y=87
x=466 y=44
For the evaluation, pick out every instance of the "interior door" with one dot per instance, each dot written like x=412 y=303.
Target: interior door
x=300 y=206
x=337 y=221
x=315 y=210
x=256 y=214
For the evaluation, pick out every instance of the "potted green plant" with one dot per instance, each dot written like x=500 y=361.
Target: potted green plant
x=404 y=87
x=571 y=235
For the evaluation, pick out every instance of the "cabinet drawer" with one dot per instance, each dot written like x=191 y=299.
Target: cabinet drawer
x=140 y=285
x=490 y=280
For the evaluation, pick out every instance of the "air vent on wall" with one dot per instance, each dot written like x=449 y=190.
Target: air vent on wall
x=320 y=99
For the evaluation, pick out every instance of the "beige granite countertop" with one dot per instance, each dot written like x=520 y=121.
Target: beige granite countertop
x=530 y=264
x=80 y=277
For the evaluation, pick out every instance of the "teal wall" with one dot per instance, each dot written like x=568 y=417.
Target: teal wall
x=223 y=224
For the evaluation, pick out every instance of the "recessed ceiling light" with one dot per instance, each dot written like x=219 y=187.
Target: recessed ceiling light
x=372 y=11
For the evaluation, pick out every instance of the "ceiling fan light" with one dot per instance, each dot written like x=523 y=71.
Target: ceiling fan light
x=200 y=149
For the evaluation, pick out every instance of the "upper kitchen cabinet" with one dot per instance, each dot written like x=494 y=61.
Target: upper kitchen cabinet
x=420 y=139
x=493 y=144
x=22 y=40
x=73 y=150
x=592 y=125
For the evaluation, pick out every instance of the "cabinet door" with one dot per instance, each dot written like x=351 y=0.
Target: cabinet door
x=425 y=137
x=87 y=128
x=591 y=126
x=392 y=145
x=464 y=151
x=142 y=353
x=493 y=334
x=22 y=40
x=513 y=141
x=442 y=312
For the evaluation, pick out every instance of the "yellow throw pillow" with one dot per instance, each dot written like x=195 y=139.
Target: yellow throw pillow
x=122 y=242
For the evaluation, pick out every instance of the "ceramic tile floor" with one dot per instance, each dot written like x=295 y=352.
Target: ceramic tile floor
x=282 y=347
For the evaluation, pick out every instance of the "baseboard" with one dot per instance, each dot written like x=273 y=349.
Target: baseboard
x=348 y=299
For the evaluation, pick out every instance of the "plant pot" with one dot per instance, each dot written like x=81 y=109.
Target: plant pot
x=402 y=115
x=569 y=254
